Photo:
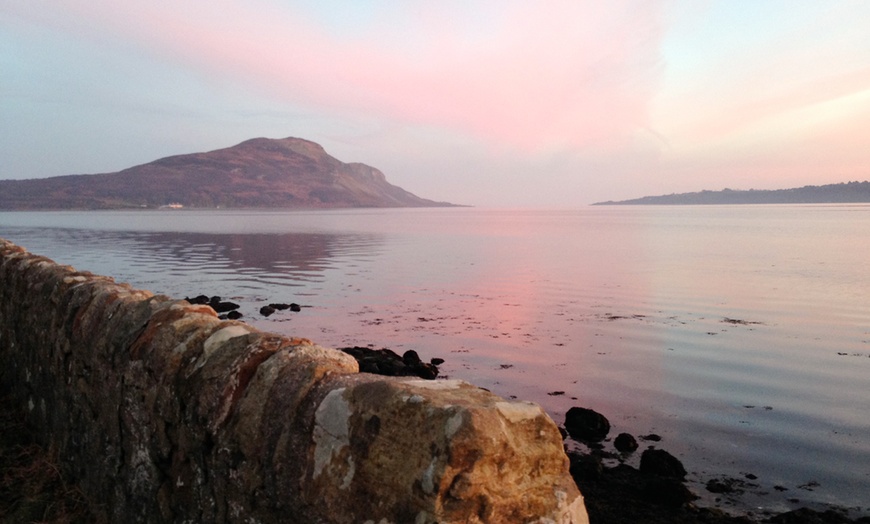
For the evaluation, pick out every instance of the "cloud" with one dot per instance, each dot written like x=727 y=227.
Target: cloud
x=488 y=102
x=528 y=75
x=734 y=77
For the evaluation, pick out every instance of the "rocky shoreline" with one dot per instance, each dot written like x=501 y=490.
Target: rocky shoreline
x=32 y=488
x=656 y=492
x=615 y=492
x=625 y=494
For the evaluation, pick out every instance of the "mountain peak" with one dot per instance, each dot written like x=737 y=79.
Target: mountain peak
x=297 y=145
x=260 y=172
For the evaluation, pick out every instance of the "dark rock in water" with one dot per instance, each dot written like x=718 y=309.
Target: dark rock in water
x=369 y=367
x=720 y=486
x=586 y=424
x=199 y=299
x=729 y=485
x=436 y=361
x=623 y=494
x=267 y=310
x=393 y=368
x=627 y=481
x=223 y=307
x=809 y=516
x=427 y=371
x=215 y=302
x=625 y=443
x=387 y=351
x=388 y=362
x=660 y=463
x=411 y=358
x=585 y=467
x=668 y=492
x=619 y=494
x=652 y=437
x=280 y=306
x=234 y=315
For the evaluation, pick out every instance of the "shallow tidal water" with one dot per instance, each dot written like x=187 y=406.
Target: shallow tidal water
x=740 y=334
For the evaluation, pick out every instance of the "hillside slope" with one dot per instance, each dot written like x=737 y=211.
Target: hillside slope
x=849 y=192
x=261 y=172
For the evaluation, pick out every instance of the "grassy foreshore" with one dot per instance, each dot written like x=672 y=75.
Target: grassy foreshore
x=32 y=488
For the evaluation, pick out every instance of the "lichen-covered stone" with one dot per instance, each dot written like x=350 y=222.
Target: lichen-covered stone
x=433 y=451
x=164 y=413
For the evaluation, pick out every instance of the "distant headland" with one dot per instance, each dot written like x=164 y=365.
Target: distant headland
x=847 y=192
x=257 y=173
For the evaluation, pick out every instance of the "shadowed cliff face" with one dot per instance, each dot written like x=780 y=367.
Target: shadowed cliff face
x=261 y=172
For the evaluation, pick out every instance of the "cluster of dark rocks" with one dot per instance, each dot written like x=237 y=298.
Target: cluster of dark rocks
x=655 y=492
x=377 y=361
x=224 y=309
x=271 y=308
x=660 y=478
x=229 y=310
x=388 y=362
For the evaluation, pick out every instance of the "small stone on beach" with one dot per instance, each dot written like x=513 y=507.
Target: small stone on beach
x=267 y=310
x=625 y=443
x=586 y=425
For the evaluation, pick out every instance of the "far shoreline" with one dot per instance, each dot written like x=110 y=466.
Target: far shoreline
x=843 y=193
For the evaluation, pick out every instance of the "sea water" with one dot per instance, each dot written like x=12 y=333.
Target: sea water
x=739 y=334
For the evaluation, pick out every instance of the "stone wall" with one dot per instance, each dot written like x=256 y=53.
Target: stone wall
x=161 y=412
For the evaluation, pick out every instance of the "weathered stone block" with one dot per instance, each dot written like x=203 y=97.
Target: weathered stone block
x=435 y=451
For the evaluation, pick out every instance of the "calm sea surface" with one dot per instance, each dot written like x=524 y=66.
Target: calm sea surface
x=740 y=334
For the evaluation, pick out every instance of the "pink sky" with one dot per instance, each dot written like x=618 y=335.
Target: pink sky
x=486 y=103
